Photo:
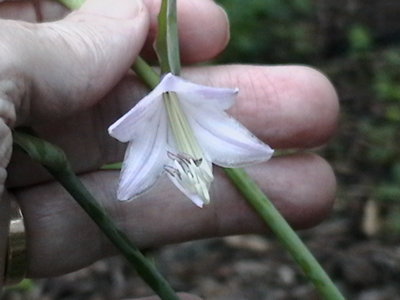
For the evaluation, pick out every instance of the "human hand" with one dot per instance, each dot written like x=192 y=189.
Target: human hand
x=60 y=89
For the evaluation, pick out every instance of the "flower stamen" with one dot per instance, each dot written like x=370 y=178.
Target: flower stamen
x=190 y=170
x=191 y=175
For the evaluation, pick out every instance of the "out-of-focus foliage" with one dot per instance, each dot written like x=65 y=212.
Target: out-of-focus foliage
x=270 y=30
x=357 y=43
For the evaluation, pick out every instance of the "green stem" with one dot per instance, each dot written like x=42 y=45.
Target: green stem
x=54 y=160
x=167 y=42
x=146 y=73
x=290 y=240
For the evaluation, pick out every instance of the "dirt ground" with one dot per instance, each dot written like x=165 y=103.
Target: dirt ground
x=242 y=267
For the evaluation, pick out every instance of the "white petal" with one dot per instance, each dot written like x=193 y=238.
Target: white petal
x=145 y=157
x=224 y=140
x=195 y=198
x=126 y=128
x=220 y=98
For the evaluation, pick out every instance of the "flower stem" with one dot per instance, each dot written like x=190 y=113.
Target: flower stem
x=146 y=73
x=167 y=42
x=272 y=217
x=54 y=160
x=290 y=240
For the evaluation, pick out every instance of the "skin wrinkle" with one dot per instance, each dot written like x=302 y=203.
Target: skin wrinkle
x=251 y=112
x=296 y=99
x=85 y=47
x=215 y=193
x=56 y=230
x=38 y=11
x=100 y=135
x=24 y=10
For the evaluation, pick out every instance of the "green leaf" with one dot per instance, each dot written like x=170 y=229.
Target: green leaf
x=167 y=43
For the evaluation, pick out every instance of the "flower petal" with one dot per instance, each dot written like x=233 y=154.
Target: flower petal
x=195 y=198
x=145 y=157
x=219 y=98
x=224 y=140
x=125 y=128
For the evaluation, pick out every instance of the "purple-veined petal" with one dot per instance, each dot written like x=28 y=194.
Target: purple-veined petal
x=125 y=128
x=145 y=157
x=219 y=98
x=142 y=115
x=224 y=140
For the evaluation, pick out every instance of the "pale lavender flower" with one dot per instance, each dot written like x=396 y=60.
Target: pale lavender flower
x=181 y=129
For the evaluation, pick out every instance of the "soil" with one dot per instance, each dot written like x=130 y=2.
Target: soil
x=242 y=267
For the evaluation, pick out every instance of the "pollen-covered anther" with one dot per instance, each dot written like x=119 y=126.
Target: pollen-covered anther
x=172 y=171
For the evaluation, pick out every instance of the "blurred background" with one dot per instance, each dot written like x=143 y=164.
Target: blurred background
x=356 y=43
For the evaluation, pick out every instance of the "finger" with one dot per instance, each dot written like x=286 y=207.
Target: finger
x=302 y=187
x=286 y=106
x=33 y=10
x=203 y=25
x=203 y=29
x=73 y=62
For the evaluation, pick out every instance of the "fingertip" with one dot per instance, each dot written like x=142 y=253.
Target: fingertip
x=199 y=44
x=322 y=95
x=126 y=9
x=304 y=188
x=203 y=29
x=286 y=106
x=300 y=106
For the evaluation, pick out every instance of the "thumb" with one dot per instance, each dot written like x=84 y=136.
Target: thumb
x=70 y=64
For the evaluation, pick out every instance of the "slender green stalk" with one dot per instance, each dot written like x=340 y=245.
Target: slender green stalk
x=146 y=73
x=293 y=244
x=54 y=160
x=167 y=42
x=72 y=4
